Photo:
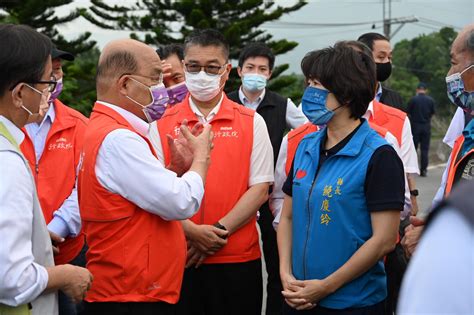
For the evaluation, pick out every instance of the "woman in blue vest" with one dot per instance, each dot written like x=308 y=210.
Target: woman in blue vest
x=344 y=196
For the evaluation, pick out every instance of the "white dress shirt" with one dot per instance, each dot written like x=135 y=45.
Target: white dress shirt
x=67 y=219
x=455 y=127
x=294 y=114
x=440 y=276
x=407 y=149
x=126 y=166
x=277 y=195
x=261 y=160
x=21 y=279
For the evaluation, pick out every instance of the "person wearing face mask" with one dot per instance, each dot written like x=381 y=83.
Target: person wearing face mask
x=172 y=56
x=340 y=214
x=52 y=146
x=256 y=63
x=28 y=278
x=382 y=52
x=224 y=274
x=460 y=165
x=443 y=258
x=129 y=201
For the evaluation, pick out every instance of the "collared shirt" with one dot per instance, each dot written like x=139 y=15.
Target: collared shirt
x=39 y=132
x=455 y=127
x=378 y=95
x=126 y=166
x=261 y=171
x=407 y=149
x=21 y=279
x=294 y=114
x=277 y=195
x=67 y=219
x=440 y=277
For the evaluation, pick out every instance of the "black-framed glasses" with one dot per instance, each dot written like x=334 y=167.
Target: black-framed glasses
x=51 y=84
x=209 y=69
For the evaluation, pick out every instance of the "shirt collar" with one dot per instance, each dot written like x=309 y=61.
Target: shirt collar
x=137 y=123
x=51 y=114
x=198 y=113
x=378 y=95
x=16 y=132
x=246 y=101
x=370 y=111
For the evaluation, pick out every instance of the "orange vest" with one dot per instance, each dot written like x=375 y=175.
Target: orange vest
x=390 y=118
x=135 y=256
x=55 y=173
x=454 y=163
x=296 y=135
x=228 y=175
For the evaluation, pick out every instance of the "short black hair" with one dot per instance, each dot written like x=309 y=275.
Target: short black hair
x=257 y=49
x=23 y=55
x=370 y=38
x=169 y=50
x=345 y=72
x=207 y=37
x=113 y=66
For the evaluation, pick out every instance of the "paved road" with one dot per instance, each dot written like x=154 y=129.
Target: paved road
x=427 y=187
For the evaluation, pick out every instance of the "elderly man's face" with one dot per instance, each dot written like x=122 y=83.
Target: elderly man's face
x=57 y=69
x=460 y=60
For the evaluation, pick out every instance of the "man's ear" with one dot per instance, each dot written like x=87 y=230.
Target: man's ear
x=239 y=71
x=122 y=85
x=270 y=75
x=17 y=95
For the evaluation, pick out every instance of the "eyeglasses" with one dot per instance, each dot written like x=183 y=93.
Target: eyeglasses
x=210 y=69
x=51 y=84
x=160 y=79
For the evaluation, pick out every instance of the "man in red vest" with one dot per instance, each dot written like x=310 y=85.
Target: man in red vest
x=224 y=274
x=129 y=201
x=52 y=146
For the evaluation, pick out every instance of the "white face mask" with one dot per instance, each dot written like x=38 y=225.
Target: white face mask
x=202 y=86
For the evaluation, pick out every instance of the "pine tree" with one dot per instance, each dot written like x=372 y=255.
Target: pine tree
x=41 y=16
x=167 y=21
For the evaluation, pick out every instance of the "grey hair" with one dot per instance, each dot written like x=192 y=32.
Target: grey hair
x=470 y=42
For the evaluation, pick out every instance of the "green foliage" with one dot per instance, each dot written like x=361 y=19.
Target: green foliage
x=79 y=81
x=423 y=59
x=169 y=21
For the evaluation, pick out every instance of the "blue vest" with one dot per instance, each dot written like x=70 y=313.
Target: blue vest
x=330 y=216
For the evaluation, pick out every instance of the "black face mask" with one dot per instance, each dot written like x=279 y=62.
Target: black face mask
x=384 y=70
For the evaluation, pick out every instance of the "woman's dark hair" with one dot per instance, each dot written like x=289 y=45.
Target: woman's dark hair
x=345 y=72
x=23 y=55
x=257 y=49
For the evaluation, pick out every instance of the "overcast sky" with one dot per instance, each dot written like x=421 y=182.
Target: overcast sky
x=433 y=14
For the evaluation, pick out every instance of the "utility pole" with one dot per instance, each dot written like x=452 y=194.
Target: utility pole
x=388 y=21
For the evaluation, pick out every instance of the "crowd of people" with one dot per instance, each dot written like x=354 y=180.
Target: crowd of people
x=158 y=202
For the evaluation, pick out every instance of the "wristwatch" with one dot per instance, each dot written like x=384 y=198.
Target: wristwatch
x=220 y=226
x=414 y=192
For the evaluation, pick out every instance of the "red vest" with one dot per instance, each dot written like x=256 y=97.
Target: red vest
x=55 y=173
x=228 y=175
x=454 y=163
x=390 y=118
x=135 y=256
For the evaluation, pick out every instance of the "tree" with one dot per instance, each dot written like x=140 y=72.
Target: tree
x=41 y=15
x=167 y=21
x=424 y=59
x=79 y=83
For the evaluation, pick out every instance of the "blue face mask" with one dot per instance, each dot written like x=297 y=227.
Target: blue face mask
x=254 y=82
x=456 y=93
x=314 y=105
